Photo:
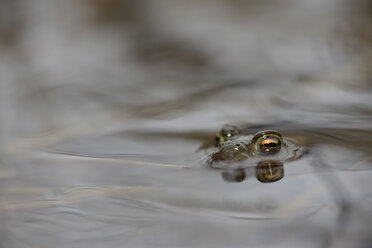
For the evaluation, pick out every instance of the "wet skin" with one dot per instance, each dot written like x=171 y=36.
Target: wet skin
x=235 y=153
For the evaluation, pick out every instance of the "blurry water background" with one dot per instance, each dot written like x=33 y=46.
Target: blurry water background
x=104 y=105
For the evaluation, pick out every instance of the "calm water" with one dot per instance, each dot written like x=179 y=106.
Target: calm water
x=106 y=113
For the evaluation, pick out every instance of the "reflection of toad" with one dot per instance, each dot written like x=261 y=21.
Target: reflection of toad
x=267 y=171
x=236 y=154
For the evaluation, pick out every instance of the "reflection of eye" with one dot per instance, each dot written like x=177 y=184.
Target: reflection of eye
x=268 y=142
x=268 y=171
x=234 y=176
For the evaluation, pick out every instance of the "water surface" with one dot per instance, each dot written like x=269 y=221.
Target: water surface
x=106 y=117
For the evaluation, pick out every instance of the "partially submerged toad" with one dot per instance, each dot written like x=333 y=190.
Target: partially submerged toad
x=235 y=152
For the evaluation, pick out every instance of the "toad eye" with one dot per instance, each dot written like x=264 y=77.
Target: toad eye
x=227 y=132
x=268 y=143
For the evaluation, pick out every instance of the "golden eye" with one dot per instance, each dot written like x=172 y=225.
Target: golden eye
x=268 y=143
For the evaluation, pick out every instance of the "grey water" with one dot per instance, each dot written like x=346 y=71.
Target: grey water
x=107 y=110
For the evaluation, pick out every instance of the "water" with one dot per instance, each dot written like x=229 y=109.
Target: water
x=107 y=111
